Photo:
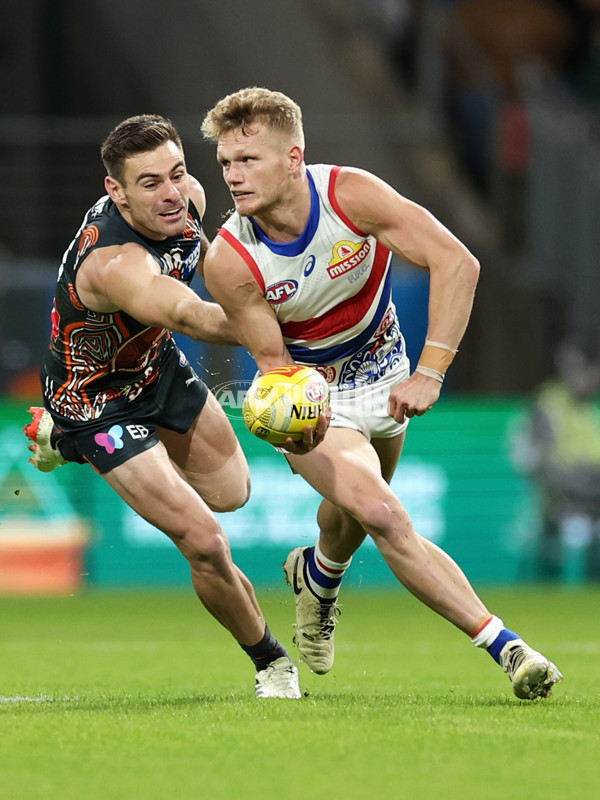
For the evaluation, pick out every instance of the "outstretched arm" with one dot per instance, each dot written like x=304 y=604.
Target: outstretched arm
x=127 y=278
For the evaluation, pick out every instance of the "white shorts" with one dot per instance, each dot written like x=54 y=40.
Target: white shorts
x=365 y=408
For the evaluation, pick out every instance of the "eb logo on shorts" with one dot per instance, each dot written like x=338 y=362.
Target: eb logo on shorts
x=137 y=431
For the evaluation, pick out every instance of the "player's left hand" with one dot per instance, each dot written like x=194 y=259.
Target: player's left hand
x=311 y=438
x=413 y=397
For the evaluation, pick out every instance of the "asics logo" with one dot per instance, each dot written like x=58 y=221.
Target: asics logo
x=309 y=266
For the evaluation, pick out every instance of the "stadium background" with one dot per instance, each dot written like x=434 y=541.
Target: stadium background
x=399 y=88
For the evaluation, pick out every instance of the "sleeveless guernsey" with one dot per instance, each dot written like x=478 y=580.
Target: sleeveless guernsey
x=330 y=289
x=94 y=358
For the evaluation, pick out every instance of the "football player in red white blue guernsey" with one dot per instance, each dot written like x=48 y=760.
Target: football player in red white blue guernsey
x=120 y=395
x=302 y=269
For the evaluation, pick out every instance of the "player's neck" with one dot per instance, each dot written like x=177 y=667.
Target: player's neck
x=286 y=220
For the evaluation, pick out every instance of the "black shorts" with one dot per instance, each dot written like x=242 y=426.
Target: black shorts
x=128 y=427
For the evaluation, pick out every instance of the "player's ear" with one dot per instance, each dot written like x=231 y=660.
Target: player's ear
x=296 y=155
x=114 y=190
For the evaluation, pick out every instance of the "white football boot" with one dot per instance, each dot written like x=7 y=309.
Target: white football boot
x=315 y=620
x=530 y=673
x=279 y=679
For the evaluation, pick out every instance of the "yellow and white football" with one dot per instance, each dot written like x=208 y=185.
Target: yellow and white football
x=280 y=403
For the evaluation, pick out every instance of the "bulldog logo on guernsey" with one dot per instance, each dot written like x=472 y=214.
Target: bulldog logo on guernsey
x=280 y=292
x=347 y=256
x=110 y=441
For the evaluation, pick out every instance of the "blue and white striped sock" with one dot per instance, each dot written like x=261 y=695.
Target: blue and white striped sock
x=324 y=576
x=493 y=636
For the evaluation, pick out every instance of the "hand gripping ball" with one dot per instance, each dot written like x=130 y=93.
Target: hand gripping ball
x=280 y=403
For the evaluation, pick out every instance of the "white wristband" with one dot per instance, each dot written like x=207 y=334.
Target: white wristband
x=442 y=345
x=431 y=373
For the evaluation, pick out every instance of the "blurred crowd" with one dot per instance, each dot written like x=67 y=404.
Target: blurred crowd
x=493 y=50
x=558 y=447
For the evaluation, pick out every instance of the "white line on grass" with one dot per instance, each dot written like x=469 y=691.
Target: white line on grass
x=43 y=698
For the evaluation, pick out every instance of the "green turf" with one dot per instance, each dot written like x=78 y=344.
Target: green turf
x=142 y=695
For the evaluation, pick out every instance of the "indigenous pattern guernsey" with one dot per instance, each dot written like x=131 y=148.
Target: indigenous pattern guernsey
x=353 y=338
x=95 y=358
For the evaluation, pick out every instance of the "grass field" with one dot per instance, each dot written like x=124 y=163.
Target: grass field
x=142 y=695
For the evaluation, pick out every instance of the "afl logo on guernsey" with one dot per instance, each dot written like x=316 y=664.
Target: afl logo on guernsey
x=347 y=256
x=88 y=239
x=280 y=292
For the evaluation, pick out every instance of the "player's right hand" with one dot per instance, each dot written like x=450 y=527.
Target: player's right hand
x=311 y=438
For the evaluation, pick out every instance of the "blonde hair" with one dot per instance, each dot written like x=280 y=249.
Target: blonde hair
x=254 y=104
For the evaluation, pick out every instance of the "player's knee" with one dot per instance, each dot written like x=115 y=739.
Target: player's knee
x=230 y=496
x=208 y=548
x=383 y=517
x=226 y=489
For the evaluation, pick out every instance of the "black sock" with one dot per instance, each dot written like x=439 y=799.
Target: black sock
x=266 y=651
x=66 y=448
